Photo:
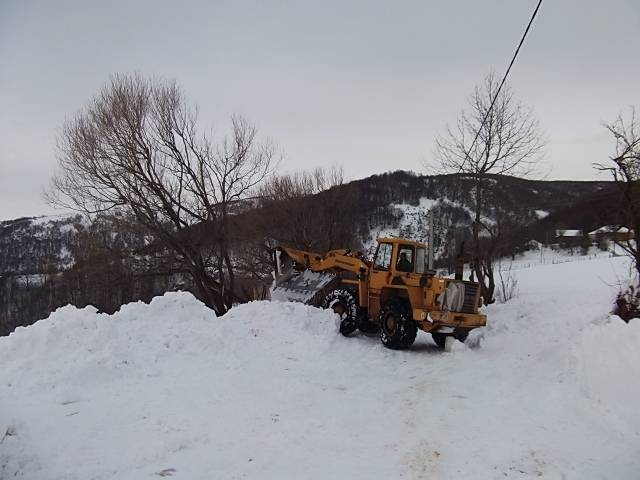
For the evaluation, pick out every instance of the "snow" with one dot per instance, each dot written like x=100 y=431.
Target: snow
x=271 y=391
x=541 y=214
x=609 y=229
x=603 y=229
x=68 y=219
x=33 y=280
x=45 y=220
x=550 y=255
x=413 y=221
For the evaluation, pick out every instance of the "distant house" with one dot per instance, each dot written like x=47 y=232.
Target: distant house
x=570 y=237
x=566 y=234
x=609 y=232
x=534 y=245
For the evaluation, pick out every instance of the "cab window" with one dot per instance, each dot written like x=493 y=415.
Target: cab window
x=405 y=259
x=383 y=257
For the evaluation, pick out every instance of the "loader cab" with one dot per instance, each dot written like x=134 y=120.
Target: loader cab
x=395 y=255
x=395 y=260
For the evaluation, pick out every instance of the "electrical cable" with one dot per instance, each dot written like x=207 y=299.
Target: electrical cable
x=504 y=79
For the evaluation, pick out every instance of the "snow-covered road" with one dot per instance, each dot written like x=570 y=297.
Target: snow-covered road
x=272 y=391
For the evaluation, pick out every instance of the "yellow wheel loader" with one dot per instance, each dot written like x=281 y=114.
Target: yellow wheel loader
x=396 y=293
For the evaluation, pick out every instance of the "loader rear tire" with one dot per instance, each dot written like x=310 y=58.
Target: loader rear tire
x=344 y=303
x=397 y=329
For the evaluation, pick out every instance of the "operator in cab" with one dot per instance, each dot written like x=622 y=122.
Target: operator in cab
x=404 y=264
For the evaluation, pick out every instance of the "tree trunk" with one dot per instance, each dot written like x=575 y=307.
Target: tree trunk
x=482 y=264
x=209 y=291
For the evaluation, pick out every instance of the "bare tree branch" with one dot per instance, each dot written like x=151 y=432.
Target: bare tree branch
x=624 y=167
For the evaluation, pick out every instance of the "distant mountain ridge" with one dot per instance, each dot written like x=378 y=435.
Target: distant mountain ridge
x=385 y=202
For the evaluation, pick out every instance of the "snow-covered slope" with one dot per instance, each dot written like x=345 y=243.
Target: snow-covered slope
x=271 y=390
x=412 y=221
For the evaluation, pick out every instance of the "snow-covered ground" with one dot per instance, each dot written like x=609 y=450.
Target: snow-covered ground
x=547 y=255
x=271 y=390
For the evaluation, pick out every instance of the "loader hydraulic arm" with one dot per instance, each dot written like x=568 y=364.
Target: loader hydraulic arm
x=334 y=260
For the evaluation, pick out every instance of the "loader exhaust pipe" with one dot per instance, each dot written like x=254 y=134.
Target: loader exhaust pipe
x=430 y=246
x=459 y=263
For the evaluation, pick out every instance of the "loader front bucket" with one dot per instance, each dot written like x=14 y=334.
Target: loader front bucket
x=303 y=286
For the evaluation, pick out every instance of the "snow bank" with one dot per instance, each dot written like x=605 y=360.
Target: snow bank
x=608 y=361
x=551 y=389
x=74 y=345
x=90 y=395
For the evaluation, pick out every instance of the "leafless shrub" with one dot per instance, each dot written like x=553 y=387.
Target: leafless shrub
x=624 y=167
x=627 y=304
x=507 y=283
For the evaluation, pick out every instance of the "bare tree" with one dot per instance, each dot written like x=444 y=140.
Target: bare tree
x=508 y=282
x=625 y=170
x=311 y=210
x=136 y=147
x=503 y=139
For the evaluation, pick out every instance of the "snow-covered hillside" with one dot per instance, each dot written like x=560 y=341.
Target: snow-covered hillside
x=271 y=390
x=412 y=221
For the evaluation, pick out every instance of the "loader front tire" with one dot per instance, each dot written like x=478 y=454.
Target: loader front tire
x=344 y=303
x=397 y=329
x=461 y=334
x=440 y=339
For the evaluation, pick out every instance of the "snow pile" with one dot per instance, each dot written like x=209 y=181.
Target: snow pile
x=551 y=389
x=89 y=395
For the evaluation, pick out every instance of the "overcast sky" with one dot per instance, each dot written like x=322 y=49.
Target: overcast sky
x=366 y=84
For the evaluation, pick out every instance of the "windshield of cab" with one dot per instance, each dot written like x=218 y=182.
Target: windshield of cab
x=383 y=257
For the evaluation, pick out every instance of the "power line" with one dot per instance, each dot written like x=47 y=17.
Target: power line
x=504 y=79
